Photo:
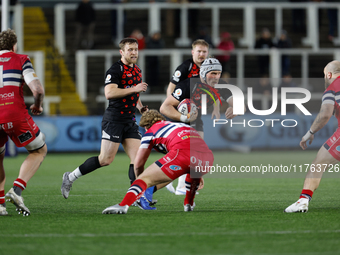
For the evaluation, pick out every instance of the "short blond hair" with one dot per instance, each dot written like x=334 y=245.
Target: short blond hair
x=149 y=118
x=200 y=42
x=125 y=41
x=8 y=39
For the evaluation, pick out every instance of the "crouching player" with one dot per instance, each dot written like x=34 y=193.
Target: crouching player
x=184 y=149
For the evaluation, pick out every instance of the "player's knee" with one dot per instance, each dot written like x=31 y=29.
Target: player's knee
x=105 y=161
x=2 y=150
x=43 y=150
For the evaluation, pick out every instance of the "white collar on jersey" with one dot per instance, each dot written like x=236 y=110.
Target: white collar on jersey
x=4 y=51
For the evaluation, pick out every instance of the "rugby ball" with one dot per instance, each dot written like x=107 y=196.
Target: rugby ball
x=186 y=106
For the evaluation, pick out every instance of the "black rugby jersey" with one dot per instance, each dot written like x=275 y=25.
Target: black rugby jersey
x=123 y=109
x=187 y=69
x=183 y=90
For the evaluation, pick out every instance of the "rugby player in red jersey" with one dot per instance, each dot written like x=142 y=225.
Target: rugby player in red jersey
x=123 y=83
x=184 y=149
x=16 y=70
x=329 y=153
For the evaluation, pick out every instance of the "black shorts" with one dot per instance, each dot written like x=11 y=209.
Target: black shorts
x=118 y=132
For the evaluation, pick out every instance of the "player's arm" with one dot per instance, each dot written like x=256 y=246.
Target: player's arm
x=113 y=92
x=321 y=120
x=140 y=160
x=229 y=112
x=216 y=111
x=169 y=109
x=140 y=106
x=38 y=95
x=180 y=74
x=171 y=88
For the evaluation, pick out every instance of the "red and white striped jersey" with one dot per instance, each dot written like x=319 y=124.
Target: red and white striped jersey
x=13 y=68
x=164 y=136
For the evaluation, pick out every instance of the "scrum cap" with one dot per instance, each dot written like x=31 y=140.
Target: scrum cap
x=208 y=65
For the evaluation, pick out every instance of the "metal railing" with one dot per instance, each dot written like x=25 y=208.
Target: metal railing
x=176 y=58
x=18 y=25
x=39 y=63
x=249 y=19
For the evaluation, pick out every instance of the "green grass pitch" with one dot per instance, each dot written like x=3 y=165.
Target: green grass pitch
x=232 y=216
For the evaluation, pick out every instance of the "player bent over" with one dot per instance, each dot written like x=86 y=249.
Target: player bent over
x=328 y=153
x=184 y=149
x=15 y=122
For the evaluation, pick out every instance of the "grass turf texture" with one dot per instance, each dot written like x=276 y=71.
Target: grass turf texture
x=232 y=216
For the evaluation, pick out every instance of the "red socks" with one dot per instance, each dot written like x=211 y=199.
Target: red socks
x=2 y=197
x=191 y=186
x=306 y=193
x=20 y=183
x=134 y=192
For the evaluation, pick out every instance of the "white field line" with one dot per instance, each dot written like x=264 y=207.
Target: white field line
x=231 y=233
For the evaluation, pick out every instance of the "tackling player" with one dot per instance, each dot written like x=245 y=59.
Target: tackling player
x=175 y=140
x=328 y=153
x=15 y=122
x=123 y=84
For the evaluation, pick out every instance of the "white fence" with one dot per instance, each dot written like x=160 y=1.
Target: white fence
x=18 y=25
x=249 y=19
x=176 y=58
x=39 y=67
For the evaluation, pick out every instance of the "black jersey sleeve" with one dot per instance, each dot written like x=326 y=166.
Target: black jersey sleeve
x=182 y=72
x=182 y=90
x=225 y=94
x=114 y=75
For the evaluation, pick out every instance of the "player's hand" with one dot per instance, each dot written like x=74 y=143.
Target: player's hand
x=308 y=136
x=141 y=87
x=216 y=113
x=36 y=110
x=229 y=113
x=201 y=186
x=144 y=109
x=192 y=116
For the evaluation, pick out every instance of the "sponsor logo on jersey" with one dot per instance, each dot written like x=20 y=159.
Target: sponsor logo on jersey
x=25 y=137
x=177 y=93
x=108 y=78
x=182 y=132
x=9 y=95
x=175 y=168
x=5 y=59
x=178 y=73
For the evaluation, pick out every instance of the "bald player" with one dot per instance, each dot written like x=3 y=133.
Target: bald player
x=328 y=153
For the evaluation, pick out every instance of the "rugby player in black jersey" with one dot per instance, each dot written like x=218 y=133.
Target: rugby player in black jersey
x=123 y=84
x=190 y=67
x=210 y=73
